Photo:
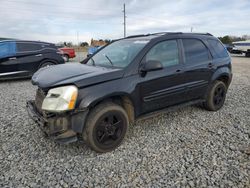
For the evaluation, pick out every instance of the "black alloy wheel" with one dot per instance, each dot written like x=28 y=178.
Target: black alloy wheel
x=109 y=129
x=219 y=95
x=106 y=127
x=216 y=96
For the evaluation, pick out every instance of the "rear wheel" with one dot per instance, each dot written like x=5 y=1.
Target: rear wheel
x=66 y=57
x=216 y=96
x=106 y=127
x=247 y=54
x=46 y=64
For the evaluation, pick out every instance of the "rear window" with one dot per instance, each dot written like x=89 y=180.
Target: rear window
x=218 y=50
x=28 y=47
x=195 y=51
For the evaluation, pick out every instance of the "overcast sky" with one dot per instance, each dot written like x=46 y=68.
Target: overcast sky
x=60 y=20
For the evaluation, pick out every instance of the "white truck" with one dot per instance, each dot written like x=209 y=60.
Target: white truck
x=243 y=46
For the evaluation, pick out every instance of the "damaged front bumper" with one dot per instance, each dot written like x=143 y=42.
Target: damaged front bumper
x=63 y=128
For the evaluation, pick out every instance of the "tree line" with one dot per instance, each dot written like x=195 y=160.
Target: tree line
x=82 y=44
x=230 y=39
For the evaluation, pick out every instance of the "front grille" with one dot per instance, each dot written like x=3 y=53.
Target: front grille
x=40 y=95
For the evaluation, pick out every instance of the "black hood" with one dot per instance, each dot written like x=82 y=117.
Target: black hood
x=74 y=73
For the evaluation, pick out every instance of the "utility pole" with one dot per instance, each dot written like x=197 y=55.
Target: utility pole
x=124 y=19
x=78 y=44
x=191 y=29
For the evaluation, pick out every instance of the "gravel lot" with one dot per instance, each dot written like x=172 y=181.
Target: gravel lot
x=190 y=147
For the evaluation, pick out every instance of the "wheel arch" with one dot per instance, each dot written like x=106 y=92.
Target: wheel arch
x=66 y=54
x=224 y=78
x=46 y=61
x=122 y=99
x=223 y=74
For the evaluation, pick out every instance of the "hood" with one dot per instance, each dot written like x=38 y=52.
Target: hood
x=74 y=73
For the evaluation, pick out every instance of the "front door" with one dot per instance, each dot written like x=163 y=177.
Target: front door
x=165 y=87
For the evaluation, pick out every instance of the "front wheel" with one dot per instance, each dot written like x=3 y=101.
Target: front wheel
x=216 y=96
x=106 y=127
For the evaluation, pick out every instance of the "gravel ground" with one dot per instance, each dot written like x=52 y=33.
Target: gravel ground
x=190 y=147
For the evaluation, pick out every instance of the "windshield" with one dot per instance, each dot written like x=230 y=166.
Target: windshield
x=118 y=54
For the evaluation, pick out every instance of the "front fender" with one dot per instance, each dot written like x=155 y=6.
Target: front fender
x=90 y=96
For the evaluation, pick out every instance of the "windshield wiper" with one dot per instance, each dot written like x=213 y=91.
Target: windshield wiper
x=109 y=59
x=93 y=61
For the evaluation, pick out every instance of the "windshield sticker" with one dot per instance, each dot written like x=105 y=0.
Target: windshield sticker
x=141 y=42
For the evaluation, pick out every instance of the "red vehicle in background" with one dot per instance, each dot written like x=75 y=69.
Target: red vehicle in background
x=68 y=53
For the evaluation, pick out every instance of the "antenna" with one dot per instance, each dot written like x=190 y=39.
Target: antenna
x=124 y=19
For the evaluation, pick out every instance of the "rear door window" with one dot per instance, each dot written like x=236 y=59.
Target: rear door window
x=28 y=47
x=218 y=50
x=7 y=49
x=195 y=51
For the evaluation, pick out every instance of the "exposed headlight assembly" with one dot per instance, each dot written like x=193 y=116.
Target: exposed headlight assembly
x=60 y=99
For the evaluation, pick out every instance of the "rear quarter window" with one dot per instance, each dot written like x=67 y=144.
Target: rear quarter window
x=217 y=49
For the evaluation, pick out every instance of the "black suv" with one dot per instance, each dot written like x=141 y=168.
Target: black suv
x=129 y=78
x=20 y=59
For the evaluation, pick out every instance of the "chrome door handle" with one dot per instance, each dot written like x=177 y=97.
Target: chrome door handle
x=12 y=58
x=38 y=55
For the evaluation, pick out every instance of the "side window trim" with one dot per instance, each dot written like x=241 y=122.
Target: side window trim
x=178 y=48
x=30 y=51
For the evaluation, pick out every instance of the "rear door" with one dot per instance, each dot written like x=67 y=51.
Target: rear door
x=198 y=67
x=29 y=56
x=8 y=60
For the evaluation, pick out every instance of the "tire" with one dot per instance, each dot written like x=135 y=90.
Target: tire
x=247 y=54
x=66 y=57
x=103 y=132
x=216 y=96
x=46 y=64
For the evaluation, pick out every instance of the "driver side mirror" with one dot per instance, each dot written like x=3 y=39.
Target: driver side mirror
x=151 y=65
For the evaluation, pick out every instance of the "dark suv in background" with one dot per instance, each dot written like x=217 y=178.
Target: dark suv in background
x=23 y=58
x=128 y=79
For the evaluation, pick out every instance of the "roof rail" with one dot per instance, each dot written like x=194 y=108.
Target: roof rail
x=202 y=34
x=165 y=33
x=133 y=36
x=209 y=34
x=158 y=33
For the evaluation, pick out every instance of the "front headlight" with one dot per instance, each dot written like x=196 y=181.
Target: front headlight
x=60 y=99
